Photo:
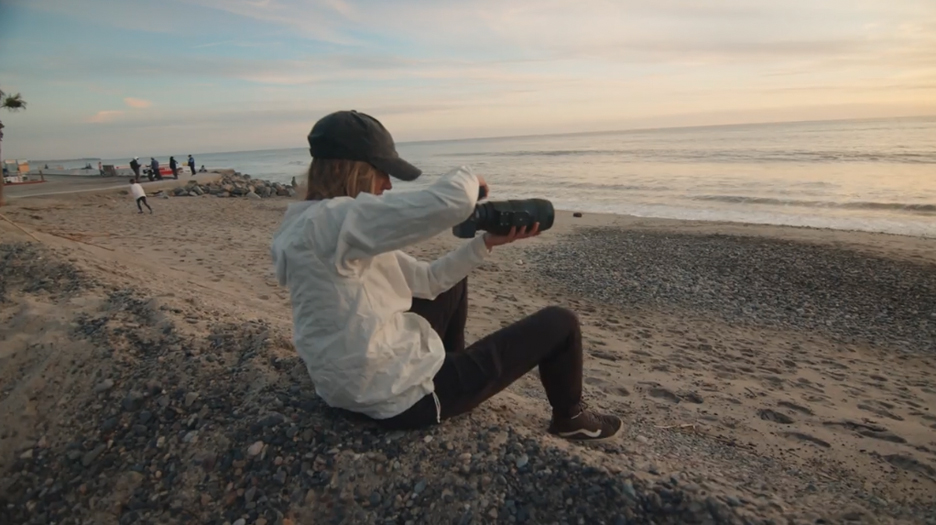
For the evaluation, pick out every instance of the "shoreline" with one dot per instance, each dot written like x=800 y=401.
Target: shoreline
x=778 y=422
x=64 y=185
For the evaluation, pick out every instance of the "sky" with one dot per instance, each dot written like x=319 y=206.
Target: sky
x=115 y=78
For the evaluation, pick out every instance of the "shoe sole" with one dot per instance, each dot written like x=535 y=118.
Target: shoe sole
x=591 y=440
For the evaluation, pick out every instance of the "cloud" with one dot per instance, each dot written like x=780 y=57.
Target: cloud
x=137 y=103
x=105 y=116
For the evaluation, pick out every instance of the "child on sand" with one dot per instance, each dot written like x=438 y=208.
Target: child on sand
x=140 y=195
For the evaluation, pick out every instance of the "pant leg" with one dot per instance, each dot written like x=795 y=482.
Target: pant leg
x=139 y=207
x=145 y=204
x=550 y=339
x=447 y=314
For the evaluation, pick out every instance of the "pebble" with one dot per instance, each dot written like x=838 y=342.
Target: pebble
x=240 y=521
x=522 y=461
x=104 y=386
x=27 y=455
x=255 y=449
x=190 y=398
x=190 y=437
x=92 y=455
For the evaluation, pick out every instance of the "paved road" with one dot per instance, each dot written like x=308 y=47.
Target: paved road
x=61 y=185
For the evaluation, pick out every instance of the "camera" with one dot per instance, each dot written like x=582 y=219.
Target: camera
x=498 y=217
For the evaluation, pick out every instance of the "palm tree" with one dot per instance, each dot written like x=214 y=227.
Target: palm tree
x=11 y=103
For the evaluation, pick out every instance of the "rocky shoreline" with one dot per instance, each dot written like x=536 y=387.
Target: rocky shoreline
x=232 y=185
x=849 y=296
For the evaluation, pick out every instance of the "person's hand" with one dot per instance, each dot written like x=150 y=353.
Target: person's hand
x=491 y=239
x=483 y=184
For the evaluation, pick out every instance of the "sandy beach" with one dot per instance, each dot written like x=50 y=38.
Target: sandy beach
x=765 y=375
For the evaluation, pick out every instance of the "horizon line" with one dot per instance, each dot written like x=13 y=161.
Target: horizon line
x=561 y=134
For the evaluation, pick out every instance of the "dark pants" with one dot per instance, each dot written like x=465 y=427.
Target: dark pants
x=550 y=339
x=192 y=167
x=143 y=200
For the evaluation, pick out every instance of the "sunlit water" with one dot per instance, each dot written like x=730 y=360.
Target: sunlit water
x=872 y=175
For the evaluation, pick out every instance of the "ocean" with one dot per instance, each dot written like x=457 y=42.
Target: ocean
x=871 y=175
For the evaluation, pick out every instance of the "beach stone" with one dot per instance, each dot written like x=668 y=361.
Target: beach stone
x=104 y=386
x=92 y=455
x=255 y=449
x=291 y=192
x=253 y=196
x=190 y=398
x=132 y=401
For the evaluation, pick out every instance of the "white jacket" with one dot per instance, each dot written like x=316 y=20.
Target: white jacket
x=351 y=289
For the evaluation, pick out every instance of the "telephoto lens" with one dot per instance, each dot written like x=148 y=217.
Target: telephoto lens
x=499 y=217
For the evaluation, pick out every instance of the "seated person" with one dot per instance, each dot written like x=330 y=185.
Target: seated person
x=381 y=333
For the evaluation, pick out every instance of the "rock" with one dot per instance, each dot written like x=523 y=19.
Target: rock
x=224 y=194
x=132 y=401
x=291 y=192
x=419 y=487
x=522 y=461
x=253 y=196
x=577 y=214
x=144 y=416
x=249 y=494
x=240 y=521
x=89 y=457
x=190 y=437
x=109 y=424
x=190 y=398
x=255 y=449
x=196 y=190
x=27 y=455
x=280 y=476
x=104 y=386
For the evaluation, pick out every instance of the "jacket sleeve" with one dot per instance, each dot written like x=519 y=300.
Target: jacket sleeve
x=379 y=224
x=428 y=280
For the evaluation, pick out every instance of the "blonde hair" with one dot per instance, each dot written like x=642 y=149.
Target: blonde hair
x=329 y=178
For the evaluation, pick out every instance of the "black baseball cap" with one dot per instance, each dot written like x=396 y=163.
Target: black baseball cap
x=350 y=135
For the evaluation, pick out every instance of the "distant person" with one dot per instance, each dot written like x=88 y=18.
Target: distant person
x=100 y=168
x=174 y=166
x=293 y=183
x=140 y=195
x=202 y=169
x=191 y=164
x=154 y=165
x=135 y=166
